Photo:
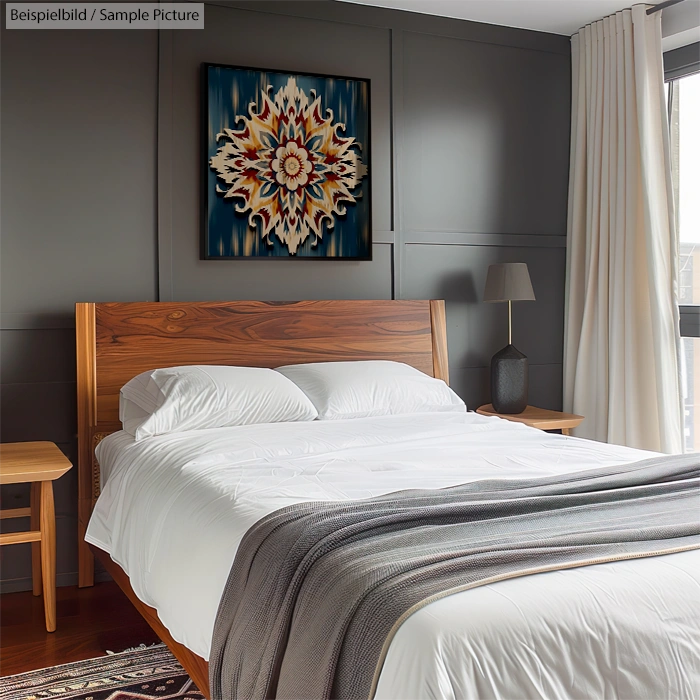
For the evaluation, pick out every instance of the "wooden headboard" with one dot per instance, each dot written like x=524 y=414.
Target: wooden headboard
x=117 y=341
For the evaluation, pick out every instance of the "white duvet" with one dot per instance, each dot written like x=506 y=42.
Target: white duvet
x=174 y=508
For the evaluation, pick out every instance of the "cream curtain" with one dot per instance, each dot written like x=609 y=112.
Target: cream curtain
x=622 y=343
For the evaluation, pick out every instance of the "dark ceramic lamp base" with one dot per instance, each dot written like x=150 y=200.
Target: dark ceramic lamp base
x=509 y=381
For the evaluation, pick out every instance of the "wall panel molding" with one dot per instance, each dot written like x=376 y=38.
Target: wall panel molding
x=387 y=237
x=397 y=133
x=514 y=240
x=37 y=321
x=69 y=578
x=348 y=13
x=165 y=165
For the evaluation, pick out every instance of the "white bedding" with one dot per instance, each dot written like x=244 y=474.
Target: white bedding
x=174 y=508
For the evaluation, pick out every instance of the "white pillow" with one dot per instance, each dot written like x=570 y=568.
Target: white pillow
x=206 y=396
x=370 y=388
x=138 y=399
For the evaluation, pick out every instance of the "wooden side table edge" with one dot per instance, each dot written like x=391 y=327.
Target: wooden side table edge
x=565 y=423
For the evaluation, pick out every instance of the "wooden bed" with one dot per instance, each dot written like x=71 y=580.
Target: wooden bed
x=117 y=341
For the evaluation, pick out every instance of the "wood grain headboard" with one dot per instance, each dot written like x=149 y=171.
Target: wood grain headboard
x=117 y=341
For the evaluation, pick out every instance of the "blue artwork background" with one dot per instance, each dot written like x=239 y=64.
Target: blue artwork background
x=230 y=92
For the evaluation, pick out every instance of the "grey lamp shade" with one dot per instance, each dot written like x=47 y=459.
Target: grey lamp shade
x=508 y=282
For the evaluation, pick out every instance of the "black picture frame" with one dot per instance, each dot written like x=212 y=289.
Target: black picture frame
x=226 y=231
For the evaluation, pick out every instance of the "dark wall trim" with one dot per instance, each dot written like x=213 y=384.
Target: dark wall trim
x=682 y=61
x=397 y=135
x=165 y=164
x=500 y=240
x=350 y=13
x=34 y=321
x=383 y=237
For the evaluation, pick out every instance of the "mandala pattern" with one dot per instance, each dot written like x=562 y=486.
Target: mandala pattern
x=289 y=167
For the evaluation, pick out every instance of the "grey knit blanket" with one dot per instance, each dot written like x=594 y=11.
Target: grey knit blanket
x=317 y=590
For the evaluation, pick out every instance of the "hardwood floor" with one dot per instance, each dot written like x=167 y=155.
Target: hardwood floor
x=90 y=621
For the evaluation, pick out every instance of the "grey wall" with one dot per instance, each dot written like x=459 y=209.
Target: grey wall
x=78 y=222
x=100 y=183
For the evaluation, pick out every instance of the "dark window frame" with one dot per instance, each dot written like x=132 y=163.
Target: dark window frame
x=680 y=63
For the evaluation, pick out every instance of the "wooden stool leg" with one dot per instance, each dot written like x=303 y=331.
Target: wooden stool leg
x=48 y=554
x=565 y=431
x=35 y=504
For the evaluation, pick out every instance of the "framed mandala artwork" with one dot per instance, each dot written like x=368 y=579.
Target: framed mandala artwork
x=286 y=172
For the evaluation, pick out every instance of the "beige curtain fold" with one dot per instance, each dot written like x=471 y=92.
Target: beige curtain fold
x=622 y=343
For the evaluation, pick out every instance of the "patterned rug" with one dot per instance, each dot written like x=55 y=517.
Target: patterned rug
x=147 y=673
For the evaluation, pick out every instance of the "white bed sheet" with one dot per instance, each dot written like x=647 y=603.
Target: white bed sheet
x=174 y=508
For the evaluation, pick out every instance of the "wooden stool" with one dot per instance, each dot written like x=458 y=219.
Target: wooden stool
x=38 y=463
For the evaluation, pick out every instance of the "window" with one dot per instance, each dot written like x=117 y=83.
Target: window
x=683 y=95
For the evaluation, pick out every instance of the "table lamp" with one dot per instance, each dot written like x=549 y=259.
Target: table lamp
x=509 y=282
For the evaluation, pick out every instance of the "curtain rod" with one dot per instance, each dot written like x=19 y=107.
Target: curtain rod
x=662 y=5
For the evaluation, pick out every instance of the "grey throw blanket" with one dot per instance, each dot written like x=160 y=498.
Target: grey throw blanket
x=317 y=590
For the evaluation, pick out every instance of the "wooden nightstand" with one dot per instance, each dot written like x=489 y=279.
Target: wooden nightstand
x=541 y=418
x=38 y=463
